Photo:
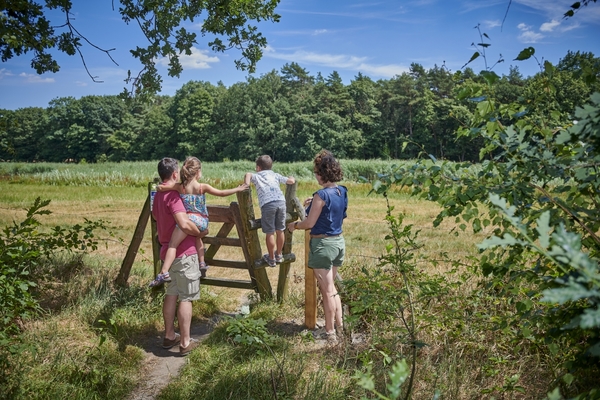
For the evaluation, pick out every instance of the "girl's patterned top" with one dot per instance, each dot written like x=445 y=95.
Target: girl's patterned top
x=195 y=203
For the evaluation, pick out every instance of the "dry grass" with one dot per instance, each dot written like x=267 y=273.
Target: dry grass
x=449 y=362
x=364 y=229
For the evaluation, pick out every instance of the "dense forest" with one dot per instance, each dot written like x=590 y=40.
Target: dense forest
x=290 y=115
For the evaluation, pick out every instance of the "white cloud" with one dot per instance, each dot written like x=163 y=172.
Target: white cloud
x=4 y=72
x=555 y=10
x=570 y=27
x=549 y=26
x=492 y=24
x=340 y=61
x=33 y=78
x=199 y=59
x=530 y=37
x=527 y=35
x=319 y=31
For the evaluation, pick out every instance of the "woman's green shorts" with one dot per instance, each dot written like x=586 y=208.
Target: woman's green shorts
x=326 y=252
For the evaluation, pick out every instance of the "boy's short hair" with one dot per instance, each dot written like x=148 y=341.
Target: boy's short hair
x=166 y=167
x=264 y=162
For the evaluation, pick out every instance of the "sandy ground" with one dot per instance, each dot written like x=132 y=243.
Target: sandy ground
x=163 y=365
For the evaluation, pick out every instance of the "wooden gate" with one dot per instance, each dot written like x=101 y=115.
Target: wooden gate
x=238 y=215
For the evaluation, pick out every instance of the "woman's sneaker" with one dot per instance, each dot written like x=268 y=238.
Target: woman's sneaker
x=270 y=262
x=321 y=334
x=160 y=279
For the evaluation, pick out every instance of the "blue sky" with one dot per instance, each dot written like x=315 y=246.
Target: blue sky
x=380 y=39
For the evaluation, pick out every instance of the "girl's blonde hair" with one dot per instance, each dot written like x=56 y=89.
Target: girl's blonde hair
x=189 y=170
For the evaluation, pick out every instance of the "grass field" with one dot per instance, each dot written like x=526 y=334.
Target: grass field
x=85 y=191
x=462 y=360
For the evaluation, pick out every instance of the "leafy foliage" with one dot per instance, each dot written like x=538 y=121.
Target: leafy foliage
x=393 y=299
x=23 y=248
x=291 y=115
x=25 y=27
x=535 y=195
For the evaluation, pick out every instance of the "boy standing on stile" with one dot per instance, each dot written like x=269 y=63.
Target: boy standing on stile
x=272 y=206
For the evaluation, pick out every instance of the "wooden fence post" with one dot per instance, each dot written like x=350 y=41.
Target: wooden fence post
x=293 y=212
x=252 y=245
x=310 y=288
x=134 y=246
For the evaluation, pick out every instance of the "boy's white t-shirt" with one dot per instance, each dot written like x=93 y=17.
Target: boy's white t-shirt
x=267 y=186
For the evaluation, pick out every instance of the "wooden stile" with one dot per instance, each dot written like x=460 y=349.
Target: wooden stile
x=240 y=215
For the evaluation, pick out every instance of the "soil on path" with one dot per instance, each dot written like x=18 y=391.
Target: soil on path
x=162 y=365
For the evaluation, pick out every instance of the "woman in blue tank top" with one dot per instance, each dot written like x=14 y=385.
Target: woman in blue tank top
x=325 y=215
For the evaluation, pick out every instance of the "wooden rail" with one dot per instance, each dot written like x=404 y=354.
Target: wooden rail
x=238 y=215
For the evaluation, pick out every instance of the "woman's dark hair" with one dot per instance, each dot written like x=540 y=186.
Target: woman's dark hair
x=327 y=167
x=190 y=168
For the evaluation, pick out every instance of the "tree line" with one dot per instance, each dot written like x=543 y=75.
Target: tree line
x=291 y=114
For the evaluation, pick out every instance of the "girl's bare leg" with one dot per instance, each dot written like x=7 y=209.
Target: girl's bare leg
x=176 y=239
x=200 y=249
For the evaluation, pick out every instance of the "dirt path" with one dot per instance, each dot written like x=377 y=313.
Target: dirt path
x=162 y=365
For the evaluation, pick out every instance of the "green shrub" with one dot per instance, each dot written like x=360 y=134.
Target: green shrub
x=24 y=248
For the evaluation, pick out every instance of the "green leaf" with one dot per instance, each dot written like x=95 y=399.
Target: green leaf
x=506 y=240
x=555 y=395
x=590 y=319
x=473 y=57
x=563 y=137
x=525 y=54
x=400 y=371
x=595 y=350
x=490 y=77
x=548 y=67
x=524 y=305
x=543 y=228
x=572 y=292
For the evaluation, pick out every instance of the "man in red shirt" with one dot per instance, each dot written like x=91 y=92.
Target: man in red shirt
x=184 y=287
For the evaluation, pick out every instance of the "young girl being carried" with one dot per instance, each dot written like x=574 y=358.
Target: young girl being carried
x=192 y=194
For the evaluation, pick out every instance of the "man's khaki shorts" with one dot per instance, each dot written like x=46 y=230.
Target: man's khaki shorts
x=185 y=278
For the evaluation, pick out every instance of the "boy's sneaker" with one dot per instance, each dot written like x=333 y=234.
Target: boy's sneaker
x=270 y=262
x=278 y=258
x=160 y=279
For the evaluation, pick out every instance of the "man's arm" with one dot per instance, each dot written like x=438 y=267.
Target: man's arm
x=184 y=223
